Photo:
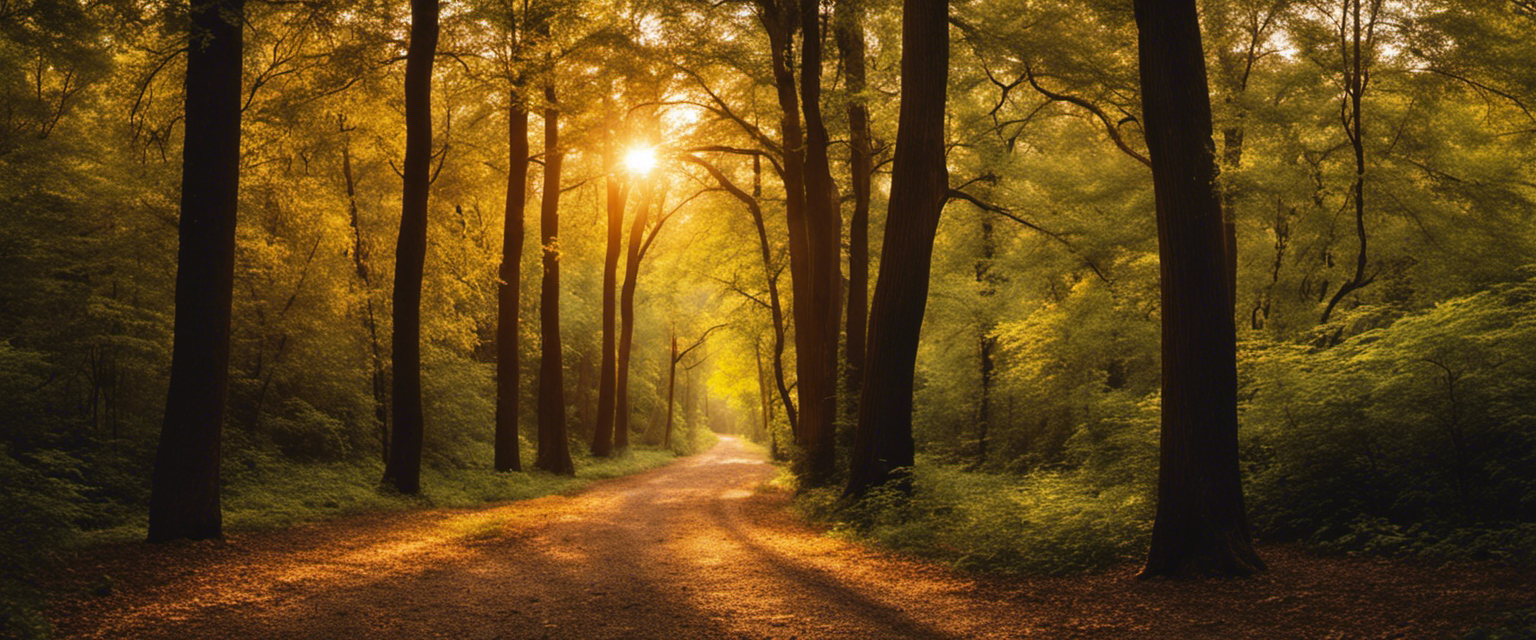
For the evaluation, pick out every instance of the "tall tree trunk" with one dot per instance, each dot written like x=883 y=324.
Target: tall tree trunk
x=404 y=468
x=184 y=497
x=554 y=453
x=850 y=44
x=1201 y=527
x=379 y=378
x=823 y=232
x=509 y=290
x=602 y=441
x=666 y=435
x=919 y=184
x=627 y=319
x=813 y=434
x=986 y=281
x=766 y=404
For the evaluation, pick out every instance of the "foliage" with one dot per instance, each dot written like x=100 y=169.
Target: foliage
x=1046 y=523
x=1402 y=438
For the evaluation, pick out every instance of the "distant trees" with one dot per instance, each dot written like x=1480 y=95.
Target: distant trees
x=184 y=500
x=919 y=186
x=404 y=468
x=1201 y=527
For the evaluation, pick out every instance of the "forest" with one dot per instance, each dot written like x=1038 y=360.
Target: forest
x=1022 y=289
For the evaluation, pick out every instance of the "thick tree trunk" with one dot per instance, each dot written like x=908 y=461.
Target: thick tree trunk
x=780 y=20
x=602 y=440
x=509 y=291
x=184 y=498
x=627 y=319
x=554 y=453
x=404 y=468
x=850 y=43
x=823 y=232
x=1201 y=528
x=919 y=184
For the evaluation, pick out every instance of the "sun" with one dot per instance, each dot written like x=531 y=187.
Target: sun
x=640 y=159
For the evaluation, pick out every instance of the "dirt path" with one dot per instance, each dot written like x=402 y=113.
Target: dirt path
x=693 y=550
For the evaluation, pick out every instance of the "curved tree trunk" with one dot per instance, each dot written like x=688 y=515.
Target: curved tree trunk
x=554 y=453
x=404 y=468
x=919 y=184
x=509 y=291
x=1201 y=527
x=184 y=498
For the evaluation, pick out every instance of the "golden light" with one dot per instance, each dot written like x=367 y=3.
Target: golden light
x=640 y=159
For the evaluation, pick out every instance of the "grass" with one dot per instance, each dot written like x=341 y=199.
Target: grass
x=287 y=494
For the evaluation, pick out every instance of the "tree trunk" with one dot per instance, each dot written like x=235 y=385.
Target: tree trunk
x=404 y=468
x=823 y=232
x=509 y=291
x=919 y=184
x=1356 y=80
x=184 y=498
x=813 y=431
x=602 y=441
x=1201 y=528
x=987 y=288
x=554 y=453
x=850 y=43
x=627 y=319
x=775 y=306
x=379 y=378
x=666 y=435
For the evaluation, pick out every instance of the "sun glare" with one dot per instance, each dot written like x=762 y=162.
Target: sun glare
x=640 y=160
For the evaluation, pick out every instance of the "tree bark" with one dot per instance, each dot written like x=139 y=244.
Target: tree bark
x=184 y=496
x=404 y=468
x=813 y=434
x=554 y=453
x=850 y=43
x=602 y=440
x=627 y=319
x=919 y=184
x=823 y=232
x=509 y=291
x=1201 y=528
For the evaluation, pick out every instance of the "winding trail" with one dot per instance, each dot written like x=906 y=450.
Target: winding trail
x=698 y=549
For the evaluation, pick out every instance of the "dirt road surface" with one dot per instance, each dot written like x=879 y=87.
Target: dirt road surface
x=699 y=549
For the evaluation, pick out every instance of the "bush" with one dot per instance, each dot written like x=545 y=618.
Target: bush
x=1402 y=438
x=1047 y=523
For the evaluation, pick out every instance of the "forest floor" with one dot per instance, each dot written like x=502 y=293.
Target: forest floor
x=703 y=549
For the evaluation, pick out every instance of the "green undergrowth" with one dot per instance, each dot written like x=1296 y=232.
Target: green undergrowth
x=1519 y=624
x=1046 y=523
x=286 y=494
